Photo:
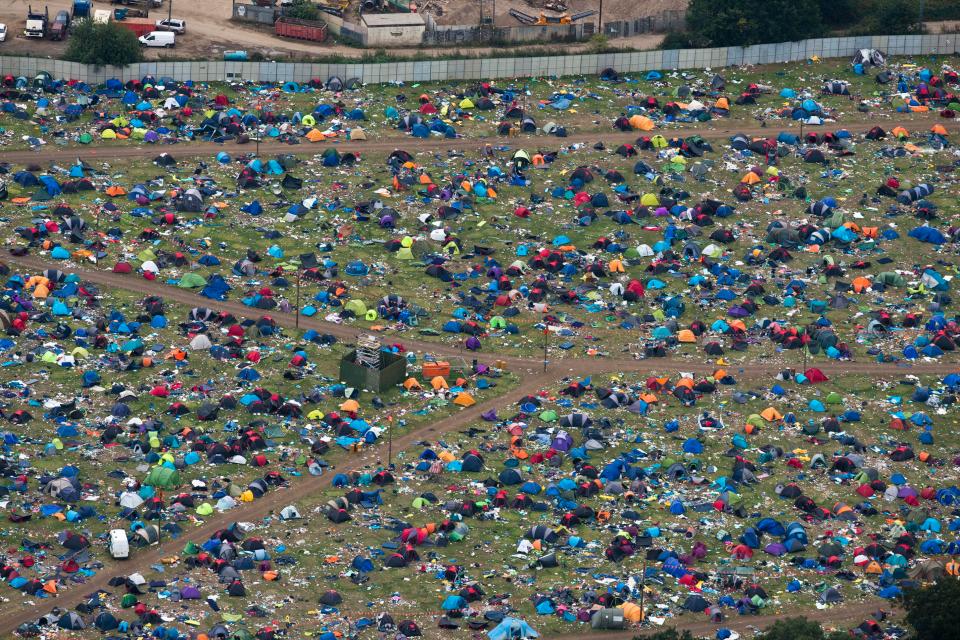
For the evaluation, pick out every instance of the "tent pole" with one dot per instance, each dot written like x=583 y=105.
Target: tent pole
x=643 y=588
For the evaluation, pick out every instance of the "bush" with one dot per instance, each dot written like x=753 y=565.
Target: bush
x=102 y=44
x=676 y=40
x=303 y=10
x=931 y=611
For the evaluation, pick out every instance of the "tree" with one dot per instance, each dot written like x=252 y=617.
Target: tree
x=838 y=13
x=793 y=629
x=303 y=10
x=723 y=23
x=931 y=611
x=102 y=44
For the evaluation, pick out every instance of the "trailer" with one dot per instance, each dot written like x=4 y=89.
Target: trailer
x=102 y=16
x=314 y=31
x=139 y=26
x=36 y=23
x=119 y=544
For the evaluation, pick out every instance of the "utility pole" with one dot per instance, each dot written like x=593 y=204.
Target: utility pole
x=643 y=590
x=546 y=334
x=170 y=10
x=307 y=261
x=390 y=442
x=922 y=7
x=299 y=271
x=600 y=19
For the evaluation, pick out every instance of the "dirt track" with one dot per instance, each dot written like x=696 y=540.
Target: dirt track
x=611 y=138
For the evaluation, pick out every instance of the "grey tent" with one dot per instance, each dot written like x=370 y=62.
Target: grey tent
x=608 y=619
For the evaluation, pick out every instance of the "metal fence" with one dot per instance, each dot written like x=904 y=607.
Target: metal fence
x=490 y=68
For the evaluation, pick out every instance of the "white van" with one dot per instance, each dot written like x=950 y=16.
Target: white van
x=159 y=39
x=119 y=545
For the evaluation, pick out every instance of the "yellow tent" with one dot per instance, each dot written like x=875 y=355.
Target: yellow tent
x=467 y=103
x=643 y=123
x=649 y=200
x=770 y=414
x=109 y=134
x=464 y=399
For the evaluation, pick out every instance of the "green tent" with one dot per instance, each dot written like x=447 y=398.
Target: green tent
x=163 y=477
x=549 y=415
x=192 y=281
x=85 y=138
x=419 y=503
x=357 y=306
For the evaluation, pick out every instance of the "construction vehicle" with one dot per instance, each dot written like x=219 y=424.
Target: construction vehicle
x=36 y=23
x=543 y=19
x=81 y=9
x=60 y=25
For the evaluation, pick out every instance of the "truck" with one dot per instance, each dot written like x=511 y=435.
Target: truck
x=139 y=26
x=81 y=9
x=60 y=26
x=36 y=23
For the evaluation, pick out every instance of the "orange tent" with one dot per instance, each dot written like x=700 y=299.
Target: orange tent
x=411 y=383
x=750 y=178
x=860 y=285
x=315 y=135
x=685 y=335
x=115 y=191
x=685 y=382
x=616 y=266
x=770 y=414
x=722 y=103
x=464 y=399
x=350 y=405
x=900 y=132
x=438 y=382
x=643 y=123
x=939 y=129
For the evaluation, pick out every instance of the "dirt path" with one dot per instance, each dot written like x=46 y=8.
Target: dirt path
x=611 y=138
x=303 y=487
x=575 y=365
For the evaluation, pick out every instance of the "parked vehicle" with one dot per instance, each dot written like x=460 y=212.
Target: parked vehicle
x=3 y=32
x=119 y=544
x=177 y=26
x=81 y=9
x=60 y=26
x=102 y=16
x=159 y=39
x=36 y=23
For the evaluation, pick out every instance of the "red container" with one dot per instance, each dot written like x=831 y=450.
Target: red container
x=139 y=26
x=301 y=29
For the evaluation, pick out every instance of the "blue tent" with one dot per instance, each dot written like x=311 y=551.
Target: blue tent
x=420 y=131
x=928 y=234
x=454 y=603
x=512 y=629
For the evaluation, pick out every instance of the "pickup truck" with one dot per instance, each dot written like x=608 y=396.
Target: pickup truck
x=60 y=26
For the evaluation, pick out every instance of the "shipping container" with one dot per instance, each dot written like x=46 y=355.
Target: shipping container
x=301 y=29
x=139 y=26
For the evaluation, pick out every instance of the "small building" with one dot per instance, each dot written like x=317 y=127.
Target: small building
x=393 y=29
x=389 y=372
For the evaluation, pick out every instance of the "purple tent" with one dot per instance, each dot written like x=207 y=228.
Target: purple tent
x=151 y=136
x=775 y=549
x=473 y=343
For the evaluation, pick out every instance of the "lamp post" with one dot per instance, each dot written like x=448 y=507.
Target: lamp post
x=546 y=335
x=307 y=261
